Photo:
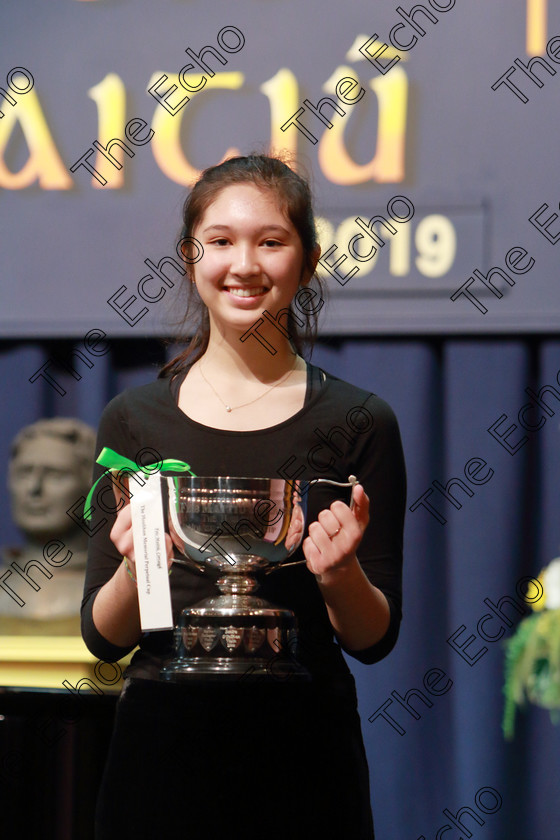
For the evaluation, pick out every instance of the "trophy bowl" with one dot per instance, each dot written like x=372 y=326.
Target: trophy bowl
x=235 y=528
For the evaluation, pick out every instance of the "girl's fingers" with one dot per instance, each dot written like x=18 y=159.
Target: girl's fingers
x=329 y=521
x=361 y=506
x=121 y=536
x=121 y=533
x=337 y=533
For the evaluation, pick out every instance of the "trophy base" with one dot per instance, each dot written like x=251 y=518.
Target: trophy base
x=235 y=637
x=248 y=670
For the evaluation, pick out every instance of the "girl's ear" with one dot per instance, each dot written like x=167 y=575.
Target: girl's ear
x=308 y=274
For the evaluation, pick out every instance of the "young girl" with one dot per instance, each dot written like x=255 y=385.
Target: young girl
x=273 y=759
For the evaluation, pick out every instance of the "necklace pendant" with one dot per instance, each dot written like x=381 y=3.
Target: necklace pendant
x=228 y=408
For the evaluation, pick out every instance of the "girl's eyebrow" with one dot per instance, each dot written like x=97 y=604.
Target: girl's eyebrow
x=260 y=230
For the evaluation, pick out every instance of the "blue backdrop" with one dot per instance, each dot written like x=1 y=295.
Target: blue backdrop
x=446 y=394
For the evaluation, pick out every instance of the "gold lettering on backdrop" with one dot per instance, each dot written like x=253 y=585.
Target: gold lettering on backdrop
x=282 y=91
x=283 y=94
x=537 y=26
x=110 y=97
x=399 y=252
x=166 y=143
x=387 y=164
x=435 y=241
x=44 y=163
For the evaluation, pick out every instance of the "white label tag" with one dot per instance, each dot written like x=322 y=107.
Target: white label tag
x=152 y=576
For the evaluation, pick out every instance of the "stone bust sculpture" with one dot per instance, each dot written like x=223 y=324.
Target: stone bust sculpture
x=50 y=470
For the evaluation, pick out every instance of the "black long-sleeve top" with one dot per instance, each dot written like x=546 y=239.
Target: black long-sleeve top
x=341 y=430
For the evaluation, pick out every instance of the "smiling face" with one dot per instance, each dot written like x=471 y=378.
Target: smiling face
x=253 y=257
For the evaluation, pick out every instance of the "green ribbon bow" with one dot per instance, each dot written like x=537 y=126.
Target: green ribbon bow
x=115 y=463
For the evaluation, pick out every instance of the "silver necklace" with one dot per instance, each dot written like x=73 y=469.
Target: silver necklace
x=232 y=408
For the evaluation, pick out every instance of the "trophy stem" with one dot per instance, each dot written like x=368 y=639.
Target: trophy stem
x=236 y=584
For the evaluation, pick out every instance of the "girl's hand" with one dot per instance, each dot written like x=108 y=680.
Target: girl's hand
x=335 y=536
x=121 y=536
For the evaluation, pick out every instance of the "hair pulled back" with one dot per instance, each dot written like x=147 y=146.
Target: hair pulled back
x=294 y=197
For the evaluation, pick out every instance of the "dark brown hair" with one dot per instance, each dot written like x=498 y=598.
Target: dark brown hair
x=294 y=196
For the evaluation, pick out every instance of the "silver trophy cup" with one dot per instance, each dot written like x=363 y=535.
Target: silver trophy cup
x=233 y=529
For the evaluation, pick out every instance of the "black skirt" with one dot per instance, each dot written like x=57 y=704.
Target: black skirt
x=214 y=759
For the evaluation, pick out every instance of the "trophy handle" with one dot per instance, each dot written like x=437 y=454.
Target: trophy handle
x=352 y=482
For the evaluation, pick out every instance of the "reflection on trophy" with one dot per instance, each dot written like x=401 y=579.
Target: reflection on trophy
x=235 y=528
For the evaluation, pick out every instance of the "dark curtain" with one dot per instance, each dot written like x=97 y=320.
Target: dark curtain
x=446 y=393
